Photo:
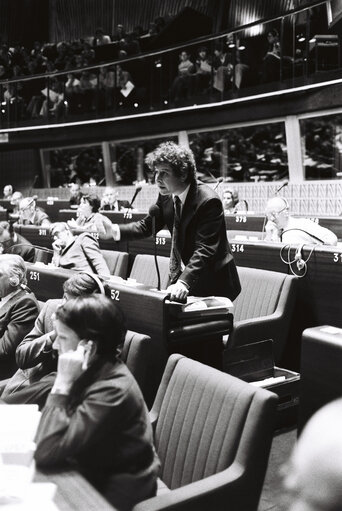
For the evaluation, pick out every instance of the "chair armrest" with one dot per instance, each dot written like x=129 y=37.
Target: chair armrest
x=252 y=330
x=203 y=494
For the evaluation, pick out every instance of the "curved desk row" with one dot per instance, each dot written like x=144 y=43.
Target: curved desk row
x=149 y=312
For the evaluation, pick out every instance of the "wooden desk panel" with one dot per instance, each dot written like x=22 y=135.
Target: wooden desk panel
x=256 y=222
x=74 y=493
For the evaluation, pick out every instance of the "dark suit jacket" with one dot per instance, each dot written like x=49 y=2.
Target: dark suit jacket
x=84 y=254
x=209 y=265
x=17 y=317
x=21 y=247
x=122 y=204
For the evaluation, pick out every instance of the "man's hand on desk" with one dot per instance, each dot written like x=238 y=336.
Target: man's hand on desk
x=178 y=291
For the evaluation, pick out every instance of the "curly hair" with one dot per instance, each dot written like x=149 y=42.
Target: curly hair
x=179 y=157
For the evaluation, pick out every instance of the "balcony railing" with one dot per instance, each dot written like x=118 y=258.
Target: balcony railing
x=257 y=58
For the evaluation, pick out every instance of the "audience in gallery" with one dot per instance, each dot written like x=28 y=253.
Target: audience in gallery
x=281 y=226
x=30 y=214
x=80 y=253
x=75 y=194
x=18 y=310
x=270 y=69
x=312 y=477
x=35 y=357
x=13 y=243
x=111 y=202
x=181 y=84
x=88 y=217
x=95 y=392
x=8 y=192
x=231 y=202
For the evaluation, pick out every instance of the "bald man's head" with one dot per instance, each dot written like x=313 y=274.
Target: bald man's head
x=315 y=474
x=277 y=211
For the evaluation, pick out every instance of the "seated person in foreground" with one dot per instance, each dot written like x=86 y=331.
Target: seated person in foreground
x=110 y=201
x=88 y=217
x=80 y=253
x=18 y=310
x=30 y=214
x=281 y=226
x=232 y=204
x=313 y=475
x=34 y=356
x=75 y=194
x=95 y=416
x=13 y=243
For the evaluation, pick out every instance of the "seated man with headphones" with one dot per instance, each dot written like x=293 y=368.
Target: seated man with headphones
x=18 y=310
x=282 y=227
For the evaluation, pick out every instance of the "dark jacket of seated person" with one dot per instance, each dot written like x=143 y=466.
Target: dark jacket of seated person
x=13 y=243
x=35 y=357
x=80 y=253
x=18 y=310
x=95 y=416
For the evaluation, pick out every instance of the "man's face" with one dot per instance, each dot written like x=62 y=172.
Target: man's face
x=7 y=191
x=168 y=182
x=26 y=211
x=5 y=286
x=4 y=236
x=62 y=235
x=66 y=340
x=109 y=197
x=74 y=190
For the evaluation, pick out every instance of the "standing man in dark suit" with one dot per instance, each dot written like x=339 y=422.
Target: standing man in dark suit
x=201 y=262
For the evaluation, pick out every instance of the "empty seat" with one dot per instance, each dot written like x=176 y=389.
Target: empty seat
x=263 y=309
x=136 y=355
x=213 y=434
x=117 y=262
x=144 y=270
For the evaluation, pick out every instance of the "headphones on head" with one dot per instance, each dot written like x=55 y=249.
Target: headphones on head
x=97 y=281
x=285 y=201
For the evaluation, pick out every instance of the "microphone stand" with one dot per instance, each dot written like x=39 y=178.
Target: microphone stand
x=155 y=250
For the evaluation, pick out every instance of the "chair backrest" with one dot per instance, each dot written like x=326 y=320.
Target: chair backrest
x=320 y=370
x=136 y=355
x=206 y=420
x=144 y=270
x=260 y=292
x=117 y=262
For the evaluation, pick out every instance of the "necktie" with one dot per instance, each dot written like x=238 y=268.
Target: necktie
x=175 y=267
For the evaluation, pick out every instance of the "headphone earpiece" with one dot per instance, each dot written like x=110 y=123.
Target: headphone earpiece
x=298 y=258
x=14 y=281
x=287 y=205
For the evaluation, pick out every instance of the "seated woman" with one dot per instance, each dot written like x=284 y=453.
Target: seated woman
x=88 y=217
x=95 y=416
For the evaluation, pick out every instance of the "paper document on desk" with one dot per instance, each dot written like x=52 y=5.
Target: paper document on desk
x=207 y=305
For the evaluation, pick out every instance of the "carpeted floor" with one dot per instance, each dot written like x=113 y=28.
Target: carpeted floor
x=272 y=497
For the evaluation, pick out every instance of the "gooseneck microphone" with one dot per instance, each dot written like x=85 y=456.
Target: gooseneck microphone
x=285 y=183
x=218 y=182
x=137 y=190
x=154 y=212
